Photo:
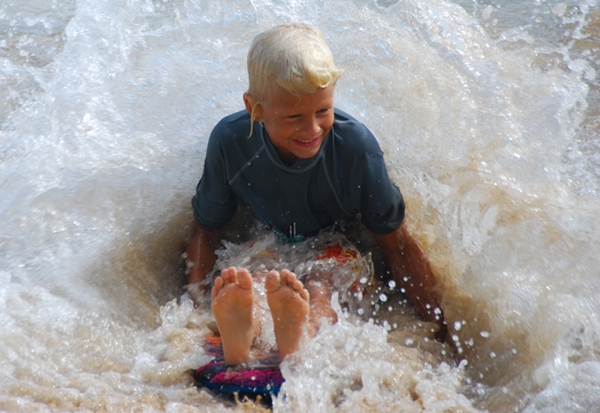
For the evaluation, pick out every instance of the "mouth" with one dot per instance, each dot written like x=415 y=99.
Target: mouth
x=307 y=143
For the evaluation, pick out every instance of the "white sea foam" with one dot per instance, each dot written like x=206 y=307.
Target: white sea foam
x=486 y=113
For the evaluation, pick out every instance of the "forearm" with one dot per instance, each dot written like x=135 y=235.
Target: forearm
x=411 y=270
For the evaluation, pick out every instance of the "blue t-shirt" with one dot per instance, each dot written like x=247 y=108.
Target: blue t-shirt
x=345 y=179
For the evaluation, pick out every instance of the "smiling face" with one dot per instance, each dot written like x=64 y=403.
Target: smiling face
x=297 y=125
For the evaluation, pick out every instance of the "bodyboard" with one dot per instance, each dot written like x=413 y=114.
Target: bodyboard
x=260 y=381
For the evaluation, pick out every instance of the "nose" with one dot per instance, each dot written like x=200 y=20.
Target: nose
x=311 y=126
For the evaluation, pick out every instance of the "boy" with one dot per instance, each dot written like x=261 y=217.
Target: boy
x=300 y=166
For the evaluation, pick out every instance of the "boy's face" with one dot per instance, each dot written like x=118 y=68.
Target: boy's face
x=296 y=125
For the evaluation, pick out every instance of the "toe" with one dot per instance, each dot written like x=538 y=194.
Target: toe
x=297 y=285
x=272 y=281
x=232 y=275
x=244 y=279
x=305 y=295
x=288 y=278
x=226 y=275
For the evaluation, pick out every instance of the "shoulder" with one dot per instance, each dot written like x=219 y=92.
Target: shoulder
x=352 y=135
x=230 y=136
x=234 y=125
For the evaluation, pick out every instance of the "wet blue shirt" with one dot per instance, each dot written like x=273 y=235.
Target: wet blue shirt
x=345 y=179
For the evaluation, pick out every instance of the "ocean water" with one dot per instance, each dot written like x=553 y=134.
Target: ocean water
x=488 y=113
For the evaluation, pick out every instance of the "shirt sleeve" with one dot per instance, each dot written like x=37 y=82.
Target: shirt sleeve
x=214 y=203
x=366 y=181
x=381 y=205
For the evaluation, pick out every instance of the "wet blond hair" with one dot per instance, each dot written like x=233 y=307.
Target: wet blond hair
x=293 y=56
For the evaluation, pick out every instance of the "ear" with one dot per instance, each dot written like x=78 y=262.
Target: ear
x=251 y=104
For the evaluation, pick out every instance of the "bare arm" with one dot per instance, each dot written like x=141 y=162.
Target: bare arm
x=200 y=259
x=411 y=270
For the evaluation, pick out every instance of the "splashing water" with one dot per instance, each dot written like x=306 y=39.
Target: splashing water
x=488 y=115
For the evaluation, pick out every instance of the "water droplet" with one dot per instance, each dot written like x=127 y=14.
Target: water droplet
x=383 y=298
x=484 y=334
x=392 y=284
x=457 y=325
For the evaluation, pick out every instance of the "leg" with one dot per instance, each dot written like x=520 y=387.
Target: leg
x=320 y=302
x=289 y=304
x=232 y=306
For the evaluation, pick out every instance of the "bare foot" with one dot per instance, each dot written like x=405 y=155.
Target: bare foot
x=289 y=304
x=232 y=305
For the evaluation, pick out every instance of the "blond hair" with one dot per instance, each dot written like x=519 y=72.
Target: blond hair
x=293 y=56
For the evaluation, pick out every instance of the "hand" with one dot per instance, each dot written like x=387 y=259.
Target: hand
x=412 y=272
x=198 y=293
x=442 y=334
x=436 y=315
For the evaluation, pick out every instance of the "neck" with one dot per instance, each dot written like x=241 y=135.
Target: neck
x=287 y=158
